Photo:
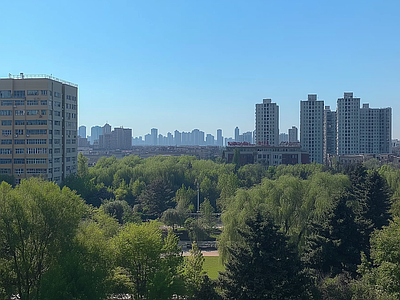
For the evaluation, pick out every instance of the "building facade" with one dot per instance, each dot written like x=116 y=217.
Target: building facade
x=38 y=116
x=375 y=130
x=330 y=132
x=348 y=125
x=267 y=123
x=312 y=127
x=293 y=134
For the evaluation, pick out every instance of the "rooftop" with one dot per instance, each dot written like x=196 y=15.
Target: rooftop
x=37 y=76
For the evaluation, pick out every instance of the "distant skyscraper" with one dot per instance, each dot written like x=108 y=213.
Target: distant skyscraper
x=237 y=134
x=311 y=127
x=154 y=136
x=293 y=133
x=267 y=123
x=210 y=140
x=220 y=139
x=177 y=138
x=95 y=132
x=82 y=131
x=283 y=137
x=348 y=125
x=330 y=131
x=247 y=137
x=106 y=128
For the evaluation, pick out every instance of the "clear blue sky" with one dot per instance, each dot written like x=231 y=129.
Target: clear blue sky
x=205 y=64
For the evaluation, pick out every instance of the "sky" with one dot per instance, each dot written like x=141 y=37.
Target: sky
x=181 y=65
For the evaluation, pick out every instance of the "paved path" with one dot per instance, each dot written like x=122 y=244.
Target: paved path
x=205 y=253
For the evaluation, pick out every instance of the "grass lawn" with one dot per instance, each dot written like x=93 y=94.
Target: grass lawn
x=213 y=264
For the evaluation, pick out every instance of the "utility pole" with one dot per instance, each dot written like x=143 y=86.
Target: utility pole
x=198 y=196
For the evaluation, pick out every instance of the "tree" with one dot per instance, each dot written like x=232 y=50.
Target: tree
x=172 y=217
x=193 y=270
x=381 y=276
x=83 y=169
x=265 y=266
x=333 y=245
x=156 y=198
x=37 y=220
x=236 y=158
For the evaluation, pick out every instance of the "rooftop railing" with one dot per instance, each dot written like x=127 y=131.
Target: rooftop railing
x=28 y=76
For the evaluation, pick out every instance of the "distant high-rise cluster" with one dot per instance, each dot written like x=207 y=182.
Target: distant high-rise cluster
x=106 y=139
x=350 y=130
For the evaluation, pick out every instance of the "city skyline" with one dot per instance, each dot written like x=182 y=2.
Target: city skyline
x=204 y=64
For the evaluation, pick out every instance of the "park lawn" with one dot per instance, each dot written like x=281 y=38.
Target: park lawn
x=213 y=264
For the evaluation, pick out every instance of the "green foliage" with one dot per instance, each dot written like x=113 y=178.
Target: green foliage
x=120 y=210
x=193 y=270
x=264 y=266
x=37 y=221
x=172 y=217
x=236 y=158
x=382 y=277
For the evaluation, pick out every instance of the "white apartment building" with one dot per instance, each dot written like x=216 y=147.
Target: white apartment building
x=348 y=125
x=267 y=123
x=375 y=130
x=293 y=133
x=38 y=115
x=312 y=127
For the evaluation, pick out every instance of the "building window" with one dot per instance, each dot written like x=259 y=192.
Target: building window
x=32 y=112
x=36 y=141
x=19 y=161
x=33 y=93
x=19 y=131
x=19 y=102
x=36 y=150
x=57 y=169
x=4 y=161
x=57 y=150
x=33 y=161
x=19 y=112
x=19 y=142
x=5 y=151
x=57 y=160
x=5 y=94
x=43 y=92
x=36 y=122
x=6 y=102
x=43 y=102
x=57 y=132
x=19 y=122
x=19 y=94
x=19 y=151
x=36 y=171
x=36 y=131
x=57 y=141
x=57 y=113
x=5 y=113
x=19 y=171
x=6 y=122
x=17 y=180
x=32 y=102
x=57 y=95
x=6 y=132
x=56 y=122
x=43 y=112
x=5 y=171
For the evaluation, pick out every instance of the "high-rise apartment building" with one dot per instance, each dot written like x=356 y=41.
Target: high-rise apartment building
x=39 y=125
x=330 y=132
x=311 y=127
x=375 y=130
x=348 y=125
x=82 y=131
x=177 y=138
x=293 y=133
x=267 y=123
